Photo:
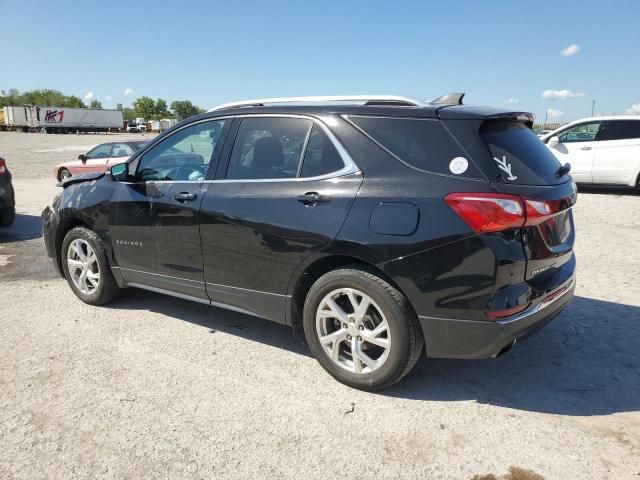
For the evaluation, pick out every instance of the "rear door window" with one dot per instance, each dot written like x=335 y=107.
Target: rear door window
x=520 y=157
x=321 y=156
x=422 y=144
x=268 y=147
x=621 y=130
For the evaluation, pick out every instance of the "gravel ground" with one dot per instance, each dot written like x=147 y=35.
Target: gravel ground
x=156 y=387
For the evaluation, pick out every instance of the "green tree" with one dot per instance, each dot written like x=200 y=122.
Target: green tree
x=128 y=114
x=73 y=102
x=95 y=104
x=184 y=109
x=162 y=110
x=144 y=107
x=119 y=107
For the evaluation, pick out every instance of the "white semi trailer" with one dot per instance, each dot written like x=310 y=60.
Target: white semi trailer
x=62 y=119
x=15 y=118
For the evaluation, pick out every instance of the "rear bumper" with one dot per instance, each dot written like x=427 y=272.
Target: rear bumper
x=473 y=339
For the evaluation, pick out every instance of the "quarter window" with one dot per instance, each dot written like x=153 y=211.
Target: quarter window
x=586 y=132
x=422 y=144
x=183 y=156
x=621 y=130
x=268 y=147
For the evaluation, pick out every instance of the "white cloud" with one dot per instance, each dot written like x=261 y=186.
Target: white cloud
x=512 y=100
x=570 y=50
x=553 y=113
x=88 y=96
x=108 y=98
x=128 y=91
x=633 y=109
x=560 y=94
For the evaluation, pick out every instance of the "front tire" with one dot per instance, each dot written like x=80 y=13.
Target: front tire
x=361 y=329
x=86 y=267
x=63 y=174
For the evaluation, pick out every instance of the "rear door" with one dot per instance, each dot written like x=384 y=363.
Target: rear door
x=284 y=194
x=617 y=153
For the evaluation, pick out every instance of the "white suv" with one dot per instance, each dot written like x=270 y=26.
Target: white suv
x=599 y=149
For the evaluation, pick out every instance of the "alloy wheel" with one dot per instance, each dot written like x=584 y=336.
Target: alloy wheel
x=83 y=266
x=353 y=331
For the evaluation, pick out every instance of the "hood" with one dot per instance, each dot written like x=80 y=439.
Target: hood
x=83 y=177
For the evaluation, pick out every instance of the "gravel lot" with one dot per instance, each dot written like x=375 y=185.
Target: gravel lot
x=156 y=387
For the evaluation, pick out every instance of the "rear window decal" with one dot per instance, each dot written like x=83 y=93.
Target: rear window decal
x=505 y=167
x=458 y=165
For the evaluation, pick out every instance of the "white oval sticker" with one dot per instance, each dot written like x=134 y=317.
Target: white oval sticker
x=458 y=165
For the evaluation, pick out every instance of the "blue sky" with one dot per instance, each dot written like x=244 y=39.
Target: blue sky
x=212 y=52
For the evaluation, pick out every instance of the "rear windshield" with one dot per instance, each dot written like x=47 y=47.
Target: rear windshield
x=418 y=143
x=519 y=155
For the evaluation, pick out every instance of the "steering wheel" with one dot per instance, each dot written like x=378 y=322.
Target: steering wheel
x=185 y=172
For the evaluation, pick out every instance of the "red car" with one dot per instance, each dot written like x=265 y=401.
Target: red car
x=98 y=159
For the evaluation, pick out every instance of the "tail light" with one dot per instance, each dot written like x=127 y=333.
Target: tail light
x=496 y=212
x=3 y=166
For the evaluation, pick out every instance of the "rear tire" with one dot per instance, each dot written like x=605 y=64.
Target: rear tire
x=361 y=329
x=86 y=267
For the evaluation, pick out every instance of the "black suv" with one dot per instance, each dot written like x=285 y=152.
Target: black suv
x=376 y=224
x=7 y=196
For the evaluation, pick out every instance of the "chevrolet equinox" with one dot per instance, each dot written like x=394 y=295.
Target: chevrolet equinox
x=379 y=225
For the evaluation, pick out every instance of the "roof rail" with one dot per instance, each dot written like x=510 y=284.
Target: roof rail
x=449 y=99
x=364 y=99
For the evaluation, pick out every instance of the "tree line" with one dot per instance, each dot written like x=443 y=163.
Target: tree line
x=144 y=107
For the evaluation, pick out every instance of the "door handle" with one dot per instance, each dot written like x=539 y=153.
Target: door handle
x=312 y=198
x=184 y=197
x=585 y=148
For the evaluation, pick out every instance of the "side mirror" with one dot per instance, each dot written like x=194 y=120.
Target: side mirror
x=82 y=157
x=553 y=141
x=120 y=172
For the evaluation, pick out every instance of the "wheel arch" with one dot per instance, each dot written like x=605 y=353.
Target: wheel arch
x=60 y=171
x=318 y=268
x=66 y=225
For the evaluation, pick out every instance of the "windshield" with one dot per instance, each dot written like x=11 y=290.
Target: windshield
x=519 y=154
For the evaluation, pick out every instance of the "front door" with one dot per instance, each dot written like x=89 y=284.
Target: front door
x=576 y=147
x=286 y=192
x=155 y=224
x=96 y=161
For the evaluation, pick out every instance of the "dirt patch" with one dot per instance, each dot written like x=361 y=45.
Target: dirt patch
x=515 y=473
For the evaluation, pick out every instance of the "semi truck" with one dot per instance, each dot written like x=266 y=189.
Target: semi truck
x=60 y=119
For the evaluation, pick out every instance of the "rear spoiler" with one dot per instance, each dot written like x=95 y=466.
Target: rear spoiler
x=468 y=112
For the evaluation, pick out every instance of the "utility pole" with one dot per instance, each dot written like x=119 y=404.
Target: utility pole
x=546 y=114
x=593 y=106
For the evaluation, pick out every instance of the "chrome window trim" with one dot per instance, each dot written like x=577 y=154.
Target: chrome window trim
x=349 y=168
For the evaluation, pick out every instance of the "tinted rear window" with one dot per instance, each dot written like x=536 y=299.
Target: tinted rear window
x=621 y=130
x=519 y=155
x=419 y=143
